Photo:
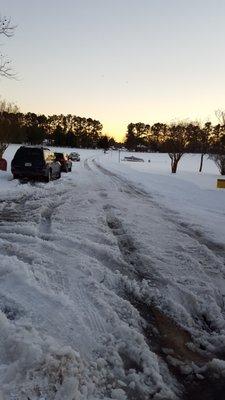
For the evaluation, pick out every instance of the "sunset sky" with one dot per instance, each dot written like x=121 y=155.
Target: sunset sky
x=118 y=61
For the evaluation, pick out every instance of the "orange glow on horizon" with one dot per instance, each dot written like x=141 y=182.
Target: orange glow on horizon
x=118 y=131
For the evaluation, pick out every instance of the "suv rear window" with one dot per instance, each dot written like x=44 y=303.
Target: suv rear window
x=28 y=154
x=59 y=155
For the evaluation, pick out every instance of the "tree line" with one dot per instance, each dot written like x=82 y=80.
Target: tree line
x=58 y=130
x=74 y=131
x=176 y=139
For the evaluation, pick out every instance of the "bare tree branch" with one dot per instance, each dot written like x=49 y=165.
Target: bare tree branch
x=5 y=68
x=6 y=27
x=220 y=115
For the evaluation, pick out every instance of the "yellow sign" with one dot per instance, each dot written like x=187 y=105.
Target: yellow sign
x=221 y=183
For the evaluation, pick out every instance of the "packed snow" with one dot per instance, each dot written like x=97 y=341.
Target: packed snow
x=112 y=281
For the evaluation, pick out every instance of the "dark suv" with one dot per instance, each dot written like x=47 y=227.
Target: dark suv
x=66 y=164
x=35 y=162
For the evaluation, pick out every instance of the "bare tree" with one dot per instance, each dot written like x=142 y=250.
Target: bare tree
x=218 y=147
x=204 y=139
x=219 y=160
x=9 y=107
x=220 y=115
x=176 y=143
x=6 y=29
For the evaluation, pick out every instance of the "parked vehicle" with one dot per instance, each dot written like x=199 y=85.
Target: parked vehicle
x=3 y=164
x=74 y=156
x=132 y=158
x=66 y=164
x=35 y=162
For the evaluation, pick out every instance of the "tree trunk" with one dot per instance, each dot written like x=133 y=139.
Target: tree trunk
x=221 y=164
x=201 y=163
x=174 y=166
x=222 y=171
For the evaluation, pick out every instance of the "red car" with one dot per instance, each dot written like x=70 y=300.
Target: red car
x=66 y=164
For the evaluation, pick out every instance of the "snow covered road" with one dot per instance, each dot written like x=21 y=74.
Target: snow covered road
x=105 y=293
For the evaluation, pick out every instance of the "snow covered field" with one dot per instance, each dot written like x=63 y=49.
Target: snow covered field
x=112 y=282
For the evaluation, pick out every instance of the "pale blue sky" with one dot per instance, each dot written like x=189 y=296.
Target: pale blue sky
x=119 y=61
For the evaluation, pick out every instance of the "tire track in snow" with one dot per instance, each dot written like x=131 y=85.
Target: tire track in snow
x=169 y=331
x=86 y=165
x=92 y=316
x=137 y=267
x=159 y=330
x=45 y=225
x=25 y=230
x=210 y=255
x=217 y=250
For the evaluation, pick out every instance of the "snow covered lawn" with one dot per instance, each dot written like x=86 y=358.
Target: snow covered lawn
x=112 y=282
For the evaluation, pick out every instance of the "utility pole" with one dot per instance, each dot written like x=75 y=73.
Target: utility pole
x=119 y=155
